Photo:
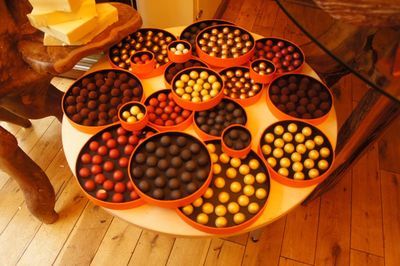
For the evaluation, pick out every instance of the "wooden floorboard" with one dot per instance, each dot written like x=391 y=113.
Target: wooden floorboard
x=357 y=223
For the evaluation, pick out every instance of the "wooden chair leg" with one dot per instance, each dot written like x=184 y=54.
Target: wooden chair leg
x=38 y=191
x=373 y=114
x=9 y=117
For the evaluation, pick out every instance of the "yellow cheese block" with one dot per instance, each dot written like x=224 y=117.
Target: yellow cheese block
x=56 y=5
x=39 y=18
x=107 y=15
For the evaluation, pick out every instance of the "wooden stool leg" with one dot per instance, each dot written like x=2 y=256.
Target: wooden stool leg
x=38 y=191
x=367 y=122
x=9 y=117
x=255 y=235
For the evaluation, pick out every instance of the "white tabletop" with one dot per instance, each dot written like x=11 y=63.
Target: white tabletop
x=281 y=200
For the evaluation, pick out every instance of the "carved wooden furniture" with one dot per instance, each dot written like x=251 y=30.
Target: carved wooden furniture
x=363 y=38
x=26 y=68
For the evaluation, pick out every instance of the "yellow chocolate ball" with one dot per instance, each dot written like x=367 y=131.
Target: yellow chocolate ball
x=285 y=162
x=323 y=164
x=254 y=164
x=306 y=131
x=207 y=208
x=283 y=171
x=224 y=158
x=253 y=207
x=220 y=210
x=236 y=162
x=308 y=163
x=288 y=148
x=209 y=193
x=217 y=169
x=223 y=197
x=278 y=143
x=244 y=169
x=297 y=166
x=295 y=157
x=277 y=153
x=248 y=179
x=301 y=148
x=243 y=200
x=271 y=161
x=211 y=148
x=299 y=138
x=261 y=178
x=202 y=218
x=239 y=218
x=231 y=172
x=214 y=157
x=235 y=187
x=313 y=173
x=220 y=222
x=198 y=202
x=261 y=193
x=269 y=138
x=298 y=176
x=248 y=190
x=319 y=140
x=292 y=128
x=288 y=137
x=278 y=130
x=233 y=207
x=266 y=149
x=325 y=152
x=219 y=182
x=310 y=144
x=314 y=154
x=188 y=210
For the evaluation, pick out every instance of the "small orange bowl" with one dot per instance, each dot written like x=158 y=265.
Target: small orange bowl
x=142 y=63
x=236 y=140
x=286 y=100
x=133 y=116
x=198 y=102
x=262 y=71
x=296 y=153
x=179 y=51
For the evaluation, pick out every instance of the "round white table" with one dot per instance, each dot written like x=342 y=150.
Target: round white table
x=281 y=199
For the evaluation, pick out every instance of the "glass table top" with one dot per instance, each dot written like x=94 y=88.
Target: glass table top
x=370 y=52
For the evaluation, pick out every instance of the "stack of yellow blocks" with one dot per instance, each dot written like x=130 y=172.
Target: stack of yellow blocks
x=71 y=22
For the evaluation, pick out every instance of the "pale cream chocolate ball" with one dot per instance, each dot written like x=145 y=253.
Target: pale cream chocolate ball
x=202 y=218
x=223 y=197
x=243 y=200
x=261 y=178
x=239 y=218
x=261 y=193
x=209 y=193
x=221 y=222
x=233 y=207
x=188 y=210
x=253 y=207
x=235 y=187
x=198 y=202
x=220 y=210
x=207 y=208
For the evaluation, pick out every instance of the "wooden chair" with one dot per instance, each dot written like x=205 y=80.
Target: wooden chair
x=26 y=69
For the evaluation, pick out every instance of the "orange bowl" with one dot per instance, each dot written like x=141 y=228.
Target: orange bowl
x=179 y=56
x=272 y=49
x=181 y=126
x=81 y=97
x=140 y=67
x=92 y=177
x=229 y=84
x=262 y=77
x=216 y=60
x=302 y=154
x=169 y=203
x=231 y=151
x=285 y=115
x=137 y=125
x=202 y=105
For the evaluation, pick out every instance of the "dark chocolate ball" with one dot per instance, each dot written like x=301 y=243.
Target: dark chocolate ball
x=190 y=166
x=144 y=186
x=151 y=161
x=181 y=141
x=140 y=158
x=161 y=152
x=186 y=154
x=191 y=187
x=175 y=194
x=160 y=181
x=174 y=183
x=151 y=173
x=195 y=148
x=176 y=162
x=151 y=146
x=186 y=177
x=163 y=164
x=158 y=193
x=165 y=141
x=173 y=150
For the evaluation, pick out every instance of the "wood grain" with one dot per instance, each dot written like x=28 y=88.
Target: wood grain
x=223 y=253
x=389 y=148
x=118 y=244
x=390 y=187
x=86 y=237
x=268 y=247
x=189 y=252
x=246 y=18
x=239 y=239
x=301 y=231
x=288 y=262
x=333 y=242
x=358 y=258
x=366 y=222
x=152 y=249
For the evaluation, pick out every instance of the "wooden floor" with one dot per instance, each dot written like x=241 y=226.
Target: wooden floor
x=357 y=223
